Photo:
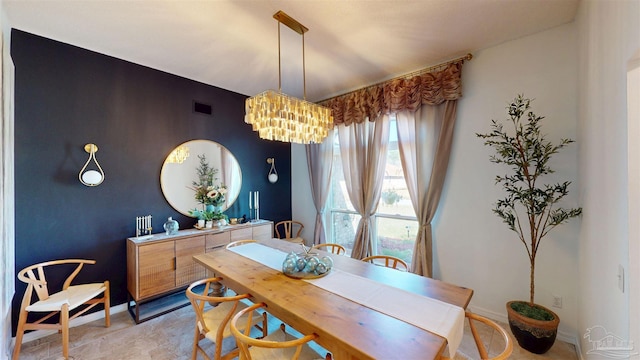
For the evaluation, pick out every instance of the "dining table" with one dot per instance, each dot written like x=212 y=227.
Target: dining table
x=348 y=329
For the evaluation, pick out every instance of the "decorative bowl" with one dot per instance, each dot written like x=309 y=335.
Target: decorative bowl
x=306 y=265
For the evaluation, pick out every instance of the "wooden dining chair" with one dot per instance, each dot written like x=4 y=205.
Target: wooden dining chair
x=239 y=242
x=212 y=322
x=286 y=229
x=388 y=261
x=277 y=345
x=83 y=297
x=332 y=248
x=485 y=334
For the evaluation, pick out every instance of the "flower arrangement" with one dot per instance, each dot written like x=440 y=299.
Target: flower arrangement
x=214 y=215
x=208 y=215
x=208 y=193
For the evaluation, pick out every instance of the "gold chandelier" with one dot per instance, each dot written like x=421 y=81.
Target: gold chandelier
x=277 y=116
x=178 y=155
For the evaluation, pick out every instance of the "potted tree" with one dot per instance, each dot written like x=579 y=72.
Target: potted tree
x=530 y=209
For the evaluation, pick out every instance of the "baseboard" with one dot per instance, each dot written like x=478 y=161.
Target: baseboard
x=81 y=320
x=562 y=336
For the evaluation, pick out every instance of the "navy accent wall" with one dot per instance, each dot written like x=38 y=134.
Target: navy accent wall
x=66 y=97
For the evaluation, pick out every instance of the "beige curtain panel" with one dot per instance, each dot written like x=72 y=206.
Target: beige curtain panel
x=363 y=149
x=320 y=163
x=425 y=138
x=396 y=95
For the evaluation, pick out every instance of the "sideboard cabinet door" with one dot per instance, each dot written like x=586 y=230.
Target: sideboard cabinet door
x=157 y=268
x=263 y=232
x=241 y=234
x=216 y=241
x=187 y=270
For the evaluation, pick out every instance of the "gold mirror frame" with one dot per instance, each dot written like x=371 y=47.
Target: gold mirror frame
x=177 y=175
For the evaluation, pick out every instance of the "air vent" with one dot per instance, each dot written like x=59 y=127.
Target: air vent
x=202 y=108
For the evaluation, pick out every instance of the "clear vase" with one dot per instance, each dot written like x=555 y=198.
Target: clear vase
x=171 y=226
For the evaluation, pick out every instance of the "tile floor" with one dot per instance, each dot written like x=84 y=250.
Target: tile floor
x=170 y=337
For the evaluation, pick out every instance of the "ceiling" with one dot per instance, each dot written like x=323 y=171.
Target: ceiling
x=233 y=44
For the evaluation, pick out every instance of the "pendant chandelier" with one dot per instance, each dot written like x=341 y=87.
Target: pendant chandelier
x=178 y=155
x=277 y=116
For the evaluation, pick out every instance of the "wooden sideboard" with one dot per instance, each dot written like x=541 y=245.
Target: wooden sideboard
x=163 y=265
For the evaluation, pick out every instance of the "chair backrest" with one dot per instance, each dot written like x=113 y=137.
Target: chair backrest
x=285 y=229
x=388 y=261
x=245 y=341
x=239 y=242
x=69 y=302
x=502 y=343
x=34 y=277
x=333 y=248
x=198 y=294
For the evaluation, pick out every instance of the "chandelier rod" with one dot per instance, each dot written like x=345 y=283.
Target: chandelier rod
x=279 y=61
x=304 y=73
x=294 y=25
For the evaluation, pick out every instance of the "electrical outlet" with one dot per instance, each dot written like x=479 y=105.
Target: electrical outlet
x=557 y=301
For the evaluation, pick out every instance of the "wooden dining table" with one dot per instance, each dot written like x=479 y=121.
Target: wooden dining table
x=347 y=329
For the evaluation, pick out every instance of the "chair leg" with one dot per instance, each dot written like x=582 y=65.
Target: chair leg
x=19 y=333
x=64 y=325
x=196 y=336
x=107 y=304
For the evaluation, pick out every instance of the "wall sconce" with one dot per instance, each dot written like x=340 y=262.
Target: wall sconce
x=273 y=174
x=91 y=177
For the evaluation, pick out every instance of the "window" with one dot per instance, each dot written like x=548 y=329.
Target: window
x=394 y=224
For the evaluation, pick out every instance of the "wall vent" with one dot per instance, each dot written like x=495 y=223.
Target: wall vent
x=202 y=108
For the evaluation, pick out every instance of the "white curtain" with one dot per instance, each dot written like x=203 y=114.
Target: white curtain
x=363 y=149
x=424 y=140
x=319 y=162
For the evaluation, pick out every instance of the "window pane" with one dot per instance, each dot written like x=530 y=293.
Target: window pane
x=344 y=227
x=396 y=237
x=339 y=198
x=394 y=199
x=394 y=223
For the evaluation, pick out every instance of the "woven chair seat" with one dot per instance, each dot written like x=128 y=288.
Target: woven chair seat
x=74 y=296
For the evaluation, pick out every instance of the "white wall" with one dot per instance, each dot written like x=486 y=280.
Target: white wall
x=609 y=39
x=472 y=247
x=7 y=238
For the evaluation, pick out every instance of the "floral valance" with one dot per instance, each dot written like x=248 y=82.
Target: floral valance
x=431 y=88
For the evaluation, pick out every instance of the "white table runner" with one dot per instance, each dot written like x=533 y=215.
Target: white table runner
x=430 y=314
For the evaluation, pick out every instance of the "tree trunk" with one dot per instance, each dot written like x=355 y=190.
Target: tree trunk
x=532 y=276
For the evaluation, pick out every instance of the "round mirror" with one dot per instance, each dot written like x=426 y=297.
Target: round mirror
x=180 y=171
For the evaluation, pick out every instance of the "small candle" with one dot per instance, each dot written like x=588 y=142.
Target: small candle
x=257 y=200
x=250 y=195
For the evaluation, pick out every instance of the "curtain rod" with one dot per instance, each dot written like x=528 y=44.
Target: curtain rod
x=408 y=75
